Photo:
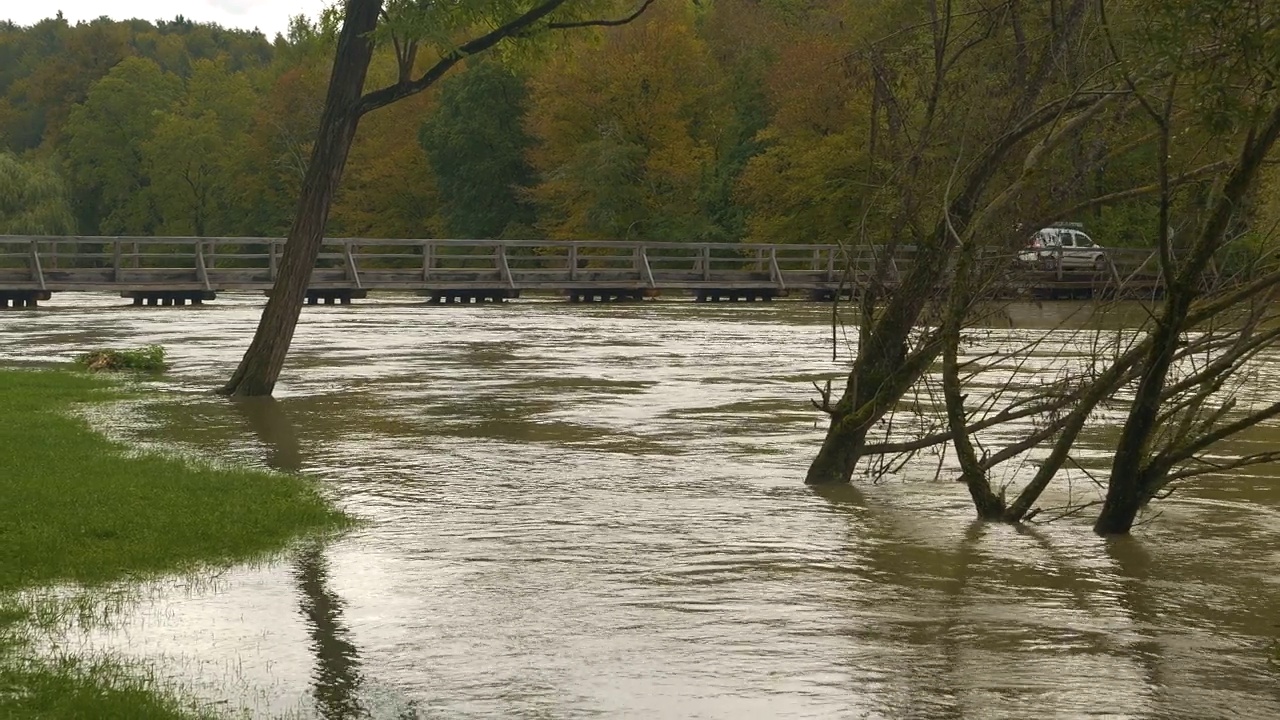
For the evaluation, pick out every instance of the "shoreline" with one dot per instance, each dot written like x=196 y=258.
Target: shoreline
x=90 y=512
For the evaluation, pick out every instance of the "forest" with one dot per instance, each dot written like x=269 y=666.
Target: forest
x=732 y=120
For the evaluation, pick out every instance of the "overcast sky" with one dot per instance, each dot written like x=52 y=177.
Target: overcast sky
x=269 y=16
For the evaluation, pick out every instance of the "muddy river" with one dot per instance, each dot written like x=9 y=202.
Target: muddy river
x=583 y=511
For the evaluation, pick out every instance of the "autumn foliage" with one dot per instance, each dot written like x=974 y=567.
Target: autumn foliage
x=726 y=121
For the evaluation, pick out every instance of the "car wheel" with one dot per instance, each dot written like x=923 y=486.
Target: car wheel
x=1100 y=263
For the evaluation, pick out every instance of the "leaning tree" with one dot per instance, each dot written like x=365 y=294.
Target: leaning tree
x=414 y=29
x=1204 y=89
x=1182 y=380
x=946 y=165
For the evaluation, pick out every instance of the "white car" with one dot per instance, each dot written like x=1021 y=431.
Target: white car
x=1068 y=245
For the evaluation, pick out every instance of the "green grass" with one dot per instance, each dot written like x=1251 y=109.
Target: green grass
x=82 y=509
x=70 y=688
x=79 y=507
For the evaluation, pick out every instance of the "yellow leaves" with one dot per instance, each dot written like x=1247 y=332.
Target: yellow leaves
x=627 y=128
x=810 y=88
x=806 y=189
x=388 y=189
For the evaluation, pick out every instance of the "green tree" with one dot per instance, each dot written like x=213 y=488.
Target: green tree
x=105 y=147
x=285 y=120
x=47 y=69
x=1232 y=82
x=55 y=64
x=389 y=191
x=191 y=156
x=476 y=144
x=628 y=133
x=743 y=39
x=33 y=199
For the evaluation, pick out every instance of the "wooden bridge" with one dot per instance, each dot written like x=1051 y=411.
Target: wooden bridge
x=177 y=270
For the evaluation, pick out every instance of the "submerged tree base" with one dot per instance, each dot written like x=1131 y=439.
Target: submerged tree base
x=80 y=508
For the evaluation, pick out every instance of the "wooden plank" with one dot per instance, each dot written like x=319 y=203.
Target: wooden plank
x=202 y=272
x=775 y=273
x=503 y=266
x=37 y=272
x=352 y=271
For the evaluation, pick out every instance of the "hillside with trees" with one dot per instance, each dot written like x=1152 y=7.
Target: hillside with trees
x=775 y=120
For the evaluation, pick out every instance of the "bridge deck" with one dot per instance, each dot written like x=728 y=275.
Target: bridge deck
x=173 y=264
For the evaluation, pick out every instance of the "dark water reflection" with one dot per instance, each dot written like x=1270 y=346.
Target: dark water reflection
x=596 y=512
x=336 y=680
x=337 y=674
x=270 y=424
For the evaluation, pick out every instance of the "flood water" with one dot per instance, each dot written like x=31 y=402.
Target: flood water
x=583 y=511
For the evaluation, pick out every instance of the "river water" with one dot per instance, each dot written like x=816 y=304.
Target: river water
x=597 y=511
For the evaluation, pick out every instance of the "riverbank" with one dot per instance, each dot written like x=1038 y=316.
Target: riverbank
x=81 y=509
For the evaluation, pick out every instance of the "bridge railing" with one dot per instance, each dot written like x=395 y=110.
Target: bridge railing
x=212 y=263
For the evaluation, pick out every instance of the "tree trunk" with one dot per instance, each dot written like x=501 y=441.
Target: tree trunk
x=1120 y=510
x=1128 y=487
x=838 y=456
x=988 y=504
x=882 y=371
x=264 y=359
x=1125 y=492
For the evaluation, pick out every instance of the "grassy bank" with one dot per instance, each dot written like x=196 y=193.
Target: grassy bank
x=79 y=508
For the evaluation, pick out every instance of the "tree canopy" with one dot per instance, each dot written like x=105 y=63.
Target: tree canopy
x=727 y=120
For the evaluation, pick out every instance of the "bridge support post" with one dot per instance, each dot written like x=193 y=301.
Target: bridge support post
x=331 y=296
x=735 y=294
x=168 y=298
x=19 y=299
x=470 y=296
x=606 y=295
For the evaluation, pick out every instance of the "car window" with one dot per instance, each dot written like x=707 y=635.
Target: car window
x=1083 y=240
x=1067 y=240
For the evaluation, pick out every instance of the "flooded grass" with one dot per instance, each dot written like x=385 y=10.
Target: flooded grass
x=71 y=687
x=82 y=509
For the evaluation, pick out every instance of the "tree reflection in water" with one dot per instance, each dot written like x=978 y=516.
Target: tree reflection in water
x=267 y=419
x=337 y=673
x=337 y=676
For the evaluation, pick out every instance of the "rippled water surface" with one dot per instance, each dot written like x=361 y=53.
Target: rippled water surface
x=597 y=511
